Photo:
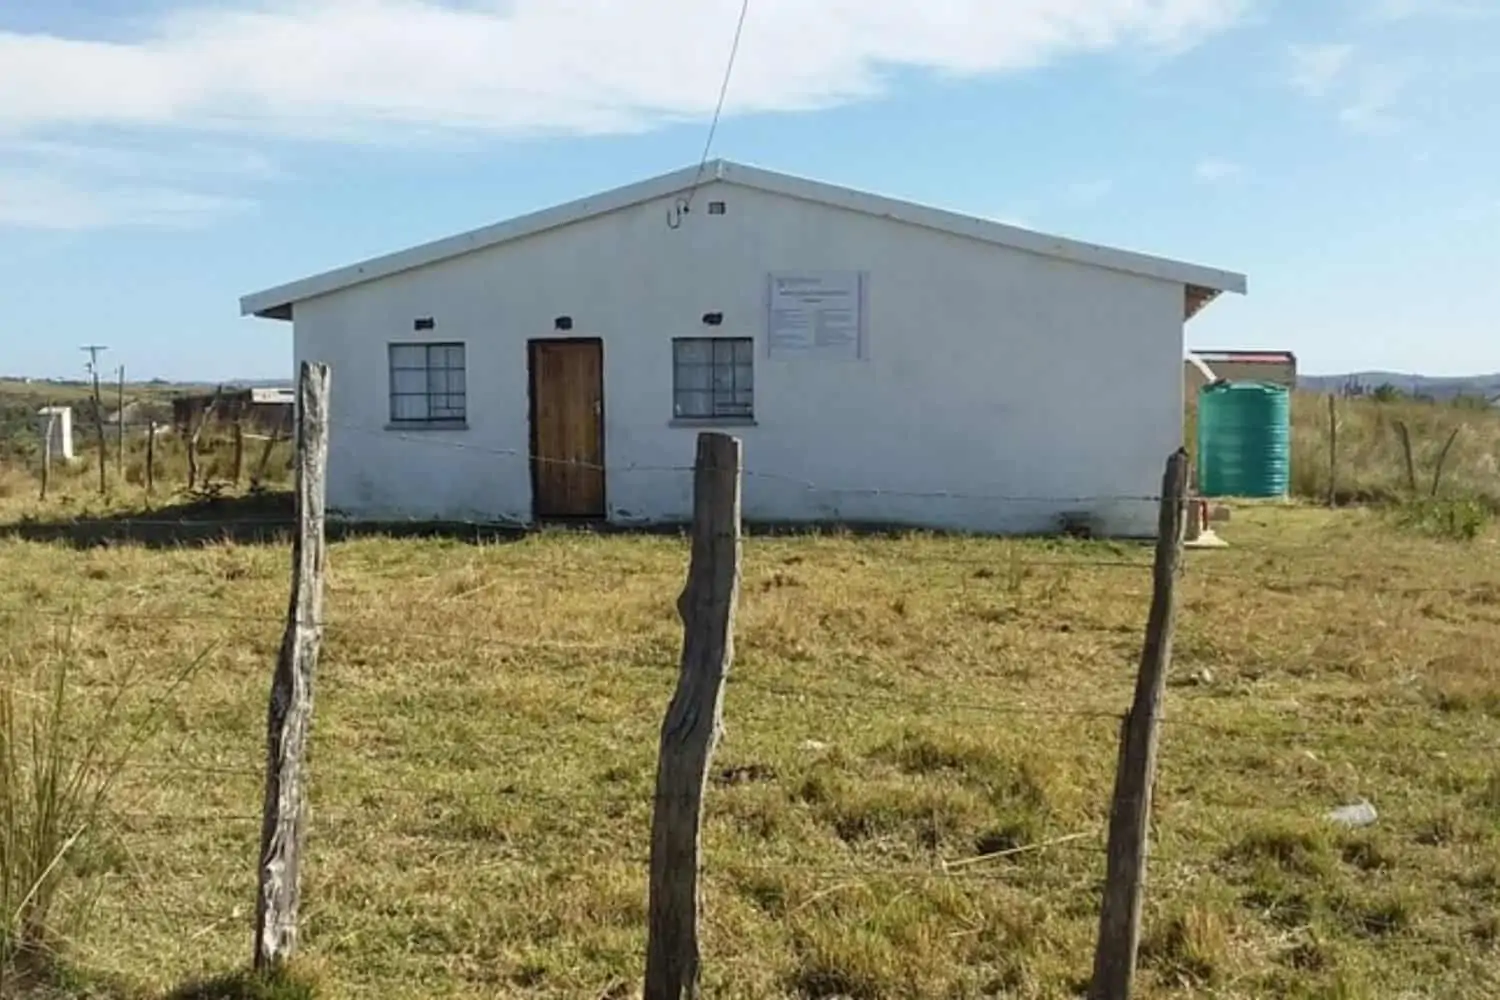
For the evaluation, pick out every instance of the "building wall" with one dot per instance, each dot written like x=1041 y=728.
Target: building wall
x=989 y=373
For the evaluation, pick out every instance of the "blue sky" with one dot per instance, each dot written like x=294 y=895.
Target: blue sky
x=159 y=158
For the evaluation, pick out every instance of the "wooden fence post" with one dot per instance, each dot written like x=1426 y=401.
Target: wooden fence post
x=1333 y=449
x=1411 y=466
x=239 y=449
x=192 y=441
x=150 y=457
x=1130 y=812
x=99 y=432
x=120 y=429
x=1437 y=470
x=259 y=475
x=693 y=720
x=289 y=718
x=47 y=448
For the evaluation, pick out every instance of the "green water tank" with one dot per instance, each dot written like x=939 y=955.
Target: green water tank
x=1244 y=439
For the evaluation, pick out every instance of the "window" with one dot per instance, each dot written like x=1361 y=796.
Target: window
x=713 y=378
x=427 y=384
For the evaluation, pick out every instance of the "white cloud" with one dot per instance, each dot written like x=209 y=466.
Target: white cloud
x=1463 y=10
x=402 y=70
x=1369 y=118
x=1090 y=192
x=70 y=185
x=1314 y=68
x=39 y=200
x=373 y=68
x=1365 y=90
x=172 y=159
x=1371 y=109
x=1212 y=169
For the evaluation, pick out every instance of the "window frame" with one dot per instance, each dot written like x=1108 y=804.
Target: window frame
x=428 y=395
x=741 y=356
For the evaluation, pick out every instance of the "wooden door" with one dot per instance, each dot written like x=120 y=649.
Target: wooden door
x=567 y=428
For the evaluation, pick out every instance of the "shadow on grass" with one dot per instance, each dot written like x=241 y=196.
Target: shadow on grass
x=246 y=986
x=50 y=978
x=31 y=979
x=261 y=518
x=268 y=518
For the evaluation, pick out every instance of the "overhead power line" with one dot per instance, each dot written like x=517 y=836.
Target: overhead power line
x=685 y=203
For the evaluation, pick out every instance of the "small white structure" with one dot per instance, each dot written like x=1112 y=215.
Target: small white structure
x=57 y=421
x=882 y=361
x=273 y=395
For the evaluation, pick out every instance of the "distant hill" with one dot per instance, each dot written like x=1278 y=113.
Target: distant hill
x=21 y=383
x=1431 y=386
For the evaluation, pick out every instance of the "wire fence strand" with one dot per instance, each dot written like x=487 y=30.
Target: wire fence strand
x=363 y=810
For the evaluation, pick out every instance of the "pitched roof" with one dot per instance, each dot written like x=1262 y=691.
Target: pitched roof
x=1202 y=283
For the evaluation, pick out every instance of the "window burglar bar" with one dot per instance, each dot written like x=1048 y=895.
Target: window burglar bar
x=427 y=384
x=713 y=378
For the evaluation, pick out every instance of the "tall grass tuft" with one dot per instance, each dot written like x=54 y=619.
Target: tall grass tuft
x=61 y=754
x=1395 y=450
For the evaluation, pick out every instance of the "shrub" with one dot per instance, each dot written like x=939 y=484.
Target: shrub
x=1459 y=520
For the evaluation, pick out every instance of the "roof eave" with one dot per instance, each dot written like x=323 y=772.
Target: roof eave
x=1196 y=297
x=277 y=310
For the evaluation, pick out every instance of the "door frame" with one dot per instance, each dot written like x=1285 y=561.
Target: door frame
x=531 y=428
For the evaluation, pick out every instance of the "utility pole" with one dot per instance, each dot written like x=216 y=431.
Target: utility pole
x=93 y=370
x=93 y=350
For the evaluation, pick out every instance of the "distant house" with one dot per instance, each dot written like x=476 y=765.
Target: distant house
x=1276 y=367
x=261 y=408
x=882 y=361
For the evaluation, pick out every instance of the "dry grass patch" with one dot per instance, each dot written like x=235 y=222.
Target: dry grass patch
x=487 y=720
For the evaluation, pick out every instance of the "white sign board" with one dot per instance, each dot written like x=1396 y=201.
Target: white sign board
x=816 y=315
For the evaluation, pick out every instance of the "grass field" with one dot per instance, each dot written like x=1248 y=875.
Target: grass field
x=1371 y=461
x=486 y=733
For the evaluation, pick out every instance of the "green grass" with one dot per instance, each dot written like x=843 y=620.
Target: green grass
x=487 y=722
x=73 y=488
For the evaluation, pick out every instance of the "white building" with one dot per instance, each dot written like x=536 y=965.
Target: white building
x=882 y=362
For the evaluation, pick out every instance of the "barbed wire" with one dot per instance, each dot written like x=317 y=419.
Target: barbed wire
x=748 y=473
x=999 y=563
x=427 y=439
x=1001 y=866
x=664 y=645
x=126 y=616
